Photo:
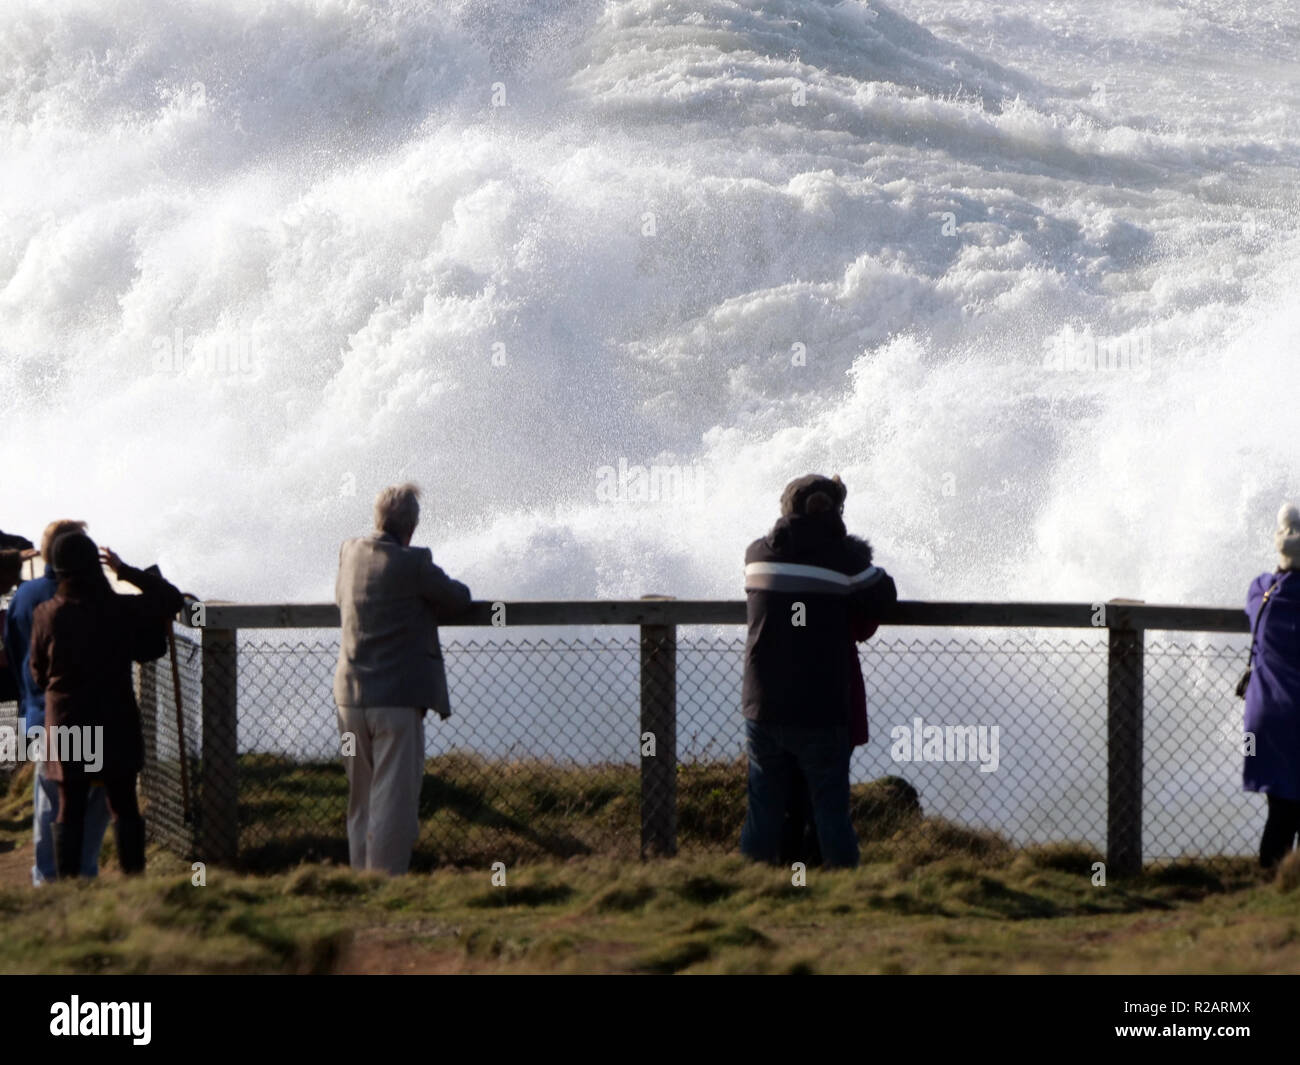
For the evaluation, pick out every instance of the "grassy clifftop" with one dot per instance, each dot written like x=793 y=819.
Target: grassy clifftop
x=949 y=901
x=930 y=897
x=1028 y=911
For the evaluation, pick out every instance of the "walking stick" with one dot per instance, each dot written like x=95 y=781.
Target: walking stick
x=180 y=725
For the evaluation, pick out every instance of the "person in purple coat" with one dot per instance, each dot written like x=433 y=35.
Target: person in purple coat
x=1273 y=694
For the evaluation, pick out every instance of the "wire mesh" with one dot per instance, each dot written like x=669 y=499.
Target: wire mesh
x=167 y=800
x=1000 y=732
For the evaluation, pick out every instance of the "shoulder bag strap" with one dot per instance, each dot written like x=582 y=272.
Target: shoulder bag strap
x=1254 y=629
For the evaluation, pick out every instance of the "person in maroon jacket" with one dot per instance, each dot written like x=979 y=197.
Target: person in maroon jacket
x=83 y=643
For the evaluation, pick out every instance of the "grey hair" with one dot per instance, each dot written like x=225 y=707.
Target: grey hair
x=1286 y=538
x=397 y=510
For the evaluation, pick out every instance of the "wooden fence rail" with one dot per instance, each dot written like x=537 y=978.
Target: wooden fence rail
x=658 y=618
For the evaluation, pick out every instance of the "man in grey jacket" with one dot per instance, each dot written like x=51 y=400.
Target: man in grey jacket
x=391 y=597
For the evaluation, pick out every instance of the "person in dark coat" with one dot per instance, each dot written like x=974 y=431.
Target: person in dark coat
x=1273 y=694
x=11 y=568
x=83 y=643
x=13 y=542
x=808 y=586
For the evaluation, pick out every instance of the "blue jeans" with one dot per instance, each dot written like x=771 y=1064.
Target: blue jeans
x=823 y=756
x=47 y=809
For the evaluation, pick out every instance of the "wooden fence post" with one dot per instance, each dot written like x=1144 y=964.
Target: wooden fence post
x=218 y=807
x=659 y=727
x=1124 y=695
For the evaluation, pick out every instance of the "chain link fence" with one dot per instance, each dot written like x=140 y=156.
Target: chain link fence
x=985 y=733
x=172 y=766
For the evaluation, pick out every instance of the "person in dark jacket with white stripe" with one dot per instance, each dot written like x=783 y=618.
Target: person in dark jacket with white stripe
x=807 y=584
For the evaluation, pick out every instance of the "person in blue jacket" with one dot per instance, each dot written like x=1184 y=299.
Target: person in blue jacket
x=31 y=708
x=1273 y=694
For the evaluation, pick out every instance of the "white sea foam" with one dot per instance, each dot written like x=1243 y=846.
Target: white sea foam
x=325 y=187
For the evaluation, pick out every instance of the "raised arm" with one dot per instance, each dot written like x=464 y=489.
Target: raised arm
x=160 y=595
x=163 y=596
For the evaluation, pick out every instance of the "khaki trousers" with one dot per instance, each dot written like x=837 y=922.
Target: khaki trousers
x=384 y=777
